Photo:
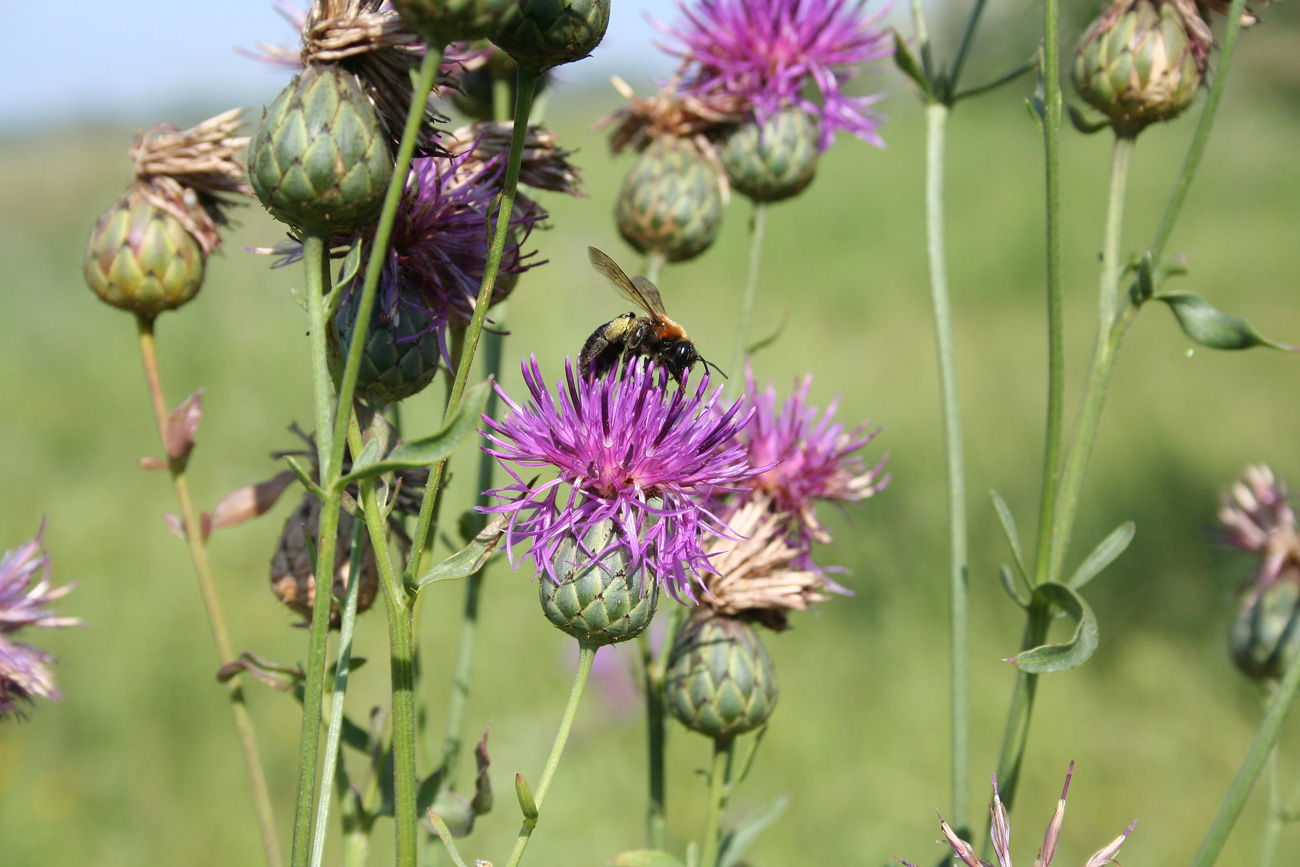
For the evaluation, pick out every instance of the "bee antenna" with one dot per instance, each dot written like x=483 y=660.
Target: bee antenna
x=709 y=364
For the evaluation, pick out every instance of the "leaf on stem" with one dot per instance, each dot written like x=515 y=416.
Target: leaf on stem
x=1009 y=585
x=1008 y=522
x=767 y=341
x=1082 y=124
x=737 y=840
x=1103 y=555
x=1213 y=328
x=526 y=802
x=644 y=858
x=1047 y=658
x=251 y=501
x=482 y=802
x=444 y=833
x=426 y=450
x=469 y=559
x=182 y=424
x=906 y=63
x=273 y=674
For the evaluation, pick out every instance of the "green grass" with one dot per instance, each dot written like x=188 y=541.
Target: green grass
x=139 y=764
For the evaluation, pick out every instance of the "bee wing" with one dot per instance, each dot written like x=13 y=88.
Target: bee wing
x=638 y=290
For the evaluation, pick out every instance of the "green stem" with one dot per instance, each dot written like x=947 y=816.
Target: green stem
x=1233 y=803
x=401 y=648
x=1016 y=735
x=959 y=60
x=654 y=263
x=656 y=675
x=586 y=655
x=719 y=774
x=194 y=537
x=936 y=120
x=923 y=37
x=1103 y=361
x=756 y=225
x=335 y=729
x=316 y=261
x=523 y=105
x=1273 y=818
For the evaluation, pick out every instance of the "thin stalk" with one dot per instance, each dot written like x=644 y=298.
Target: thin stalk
x=401 y=648
x=656 y=706
x=211 y=604
x=922 y=37
x=719 y=775
x=334 y=732
x=654 y=263
x=1273 y=821
x=1265 y=741
x=756 y=225
x=964 y=47
x=586 y=655
x=1016 y=734
x=316 y=261
x=1103 y=360
x=936 y=121
x=527 y=82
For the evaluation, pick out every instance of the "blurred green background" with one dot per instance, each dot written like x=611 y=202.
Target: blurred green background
x=139 y=764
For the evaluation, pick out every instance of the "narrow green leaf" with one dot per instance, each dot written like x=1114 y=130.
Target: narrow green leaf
x=455 y=810
x=430 y=449
x=906 y=63
x=1146 y=281
x=767 y=341
x=1082 y=124
x=1009 y=528
x=296 y=467
x=1213 y=328
x=526 y=802
x=736 y=841
x=1047 y=658
x=644 y=858
x=1103 y=555
x=1009 y=585
x=747 y=760
x=469 y=559
x=428 y=791
x=444 y=834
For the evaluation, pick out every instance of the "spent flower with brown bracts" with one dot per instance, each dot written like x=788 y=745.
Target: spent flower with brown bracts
x=626 y=449
x=670 y=112
x=1000 y=836
x=544 y=164
x=768 y=52
x=25 y=598
x=148 y=251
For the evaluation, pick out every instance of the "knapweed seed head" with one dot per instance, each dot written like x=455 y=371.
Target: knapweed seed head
x=598 y=599
x=25 y=598
x=627 y=449
x=671 y=201
x=774 y=160
x=1000 y=836
x=720 y=682
x=444 y=21
x=770 y=51
x=812 y=457
x=148 y=251
x=292 y=579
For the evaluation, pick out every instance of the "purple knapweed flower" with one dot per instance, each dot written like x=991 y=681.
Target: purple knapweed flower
x=1256 y=516
x=767 y=51
x=812 y=457
x=628 y=450
x=1000 y=836
x=24 y=600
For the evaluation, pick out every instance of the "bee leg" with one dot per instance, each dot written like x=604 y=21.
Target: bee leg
x=604 y=347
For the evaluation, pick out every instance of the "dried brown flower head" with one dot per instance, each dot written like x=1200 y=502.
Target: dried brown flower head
x=545 y=164
x=670 y=113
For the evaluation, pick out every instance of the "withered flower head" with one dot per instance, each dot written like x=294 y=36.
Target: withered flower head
x=670 y=113
x=545 y=164
x=1257 y=517
x=148 y=251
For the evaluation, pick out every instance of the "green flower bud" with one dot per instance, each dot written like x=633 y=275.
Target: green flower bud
x=540 y=34
x=773 y=162
x=399 y=359
x=443 y=21
x=596 y=600
x=1140 y=62
x=720 y=681
x=320 y=160
x=141 y=258
x=671 y=200
x=1265 y=637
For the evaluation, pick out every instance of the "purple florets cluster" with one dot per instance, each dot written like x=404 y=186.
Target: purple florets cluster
x=768 y=51
x=25 y=596
x=627 y=450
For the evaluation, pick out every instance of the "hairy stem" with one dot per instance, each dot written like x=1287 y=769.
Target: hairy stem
x=194 y=537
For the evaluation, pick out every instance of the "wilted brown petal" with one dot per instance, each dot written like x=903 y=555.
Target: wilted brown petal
x=182 y=424
x=250 y=501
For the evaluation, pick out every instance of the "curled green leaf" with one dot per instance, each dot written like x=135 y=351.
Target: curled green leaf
x=1047 y=658
x=1213 y=328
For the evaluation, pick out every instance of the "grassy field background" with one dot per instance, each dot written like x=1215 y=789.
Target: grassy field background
x=139 y=764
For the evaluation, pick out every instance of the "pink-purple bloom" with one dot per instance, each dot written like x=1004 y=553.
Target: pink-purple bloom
x=25 y=596
x=812 y=456
x=628 y=449
x=768 y=51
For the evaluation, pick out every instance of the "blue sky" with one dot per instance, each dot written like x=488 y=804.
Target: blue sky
x=133 y=61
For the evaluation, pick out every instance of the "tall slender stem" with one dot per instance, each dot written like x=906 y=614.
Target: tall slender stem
x=1273 y=819
x=211 y=604
x=654 y=263
x=936 y=120
x=719 y=776
x=341 y=671
x=1103 y=360
x=1016 y=734
x=756 y=225
x=586 y=655
x=527 y=82
x=1265 y=741
x=316 y=261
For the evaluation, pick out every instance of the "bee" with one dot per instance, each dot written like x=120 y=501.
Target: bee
x=654 y=335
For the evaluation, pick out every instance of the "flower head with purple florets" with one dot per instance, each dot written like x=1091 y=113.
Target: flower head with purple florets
x=767 y=51
x=627 y=450
x=812 y=457
x=25 y=594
